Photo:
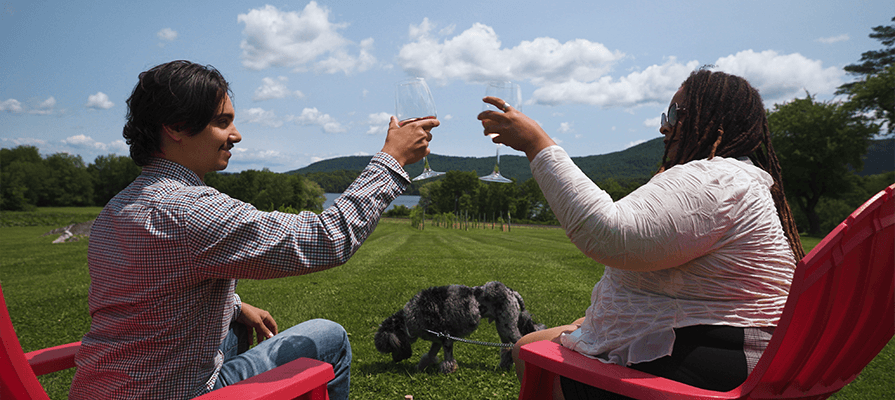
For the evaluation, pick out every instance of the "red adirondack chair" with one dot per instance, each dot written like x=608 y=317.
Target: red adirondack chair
x=300 y=379
x=839 y=314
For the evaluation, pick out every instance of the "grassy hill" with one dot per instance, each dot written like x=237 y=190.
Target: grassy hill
x=638 y=161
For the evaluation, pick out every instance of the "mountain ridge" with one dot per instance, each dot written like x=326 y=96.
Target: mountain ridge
x=636 y=162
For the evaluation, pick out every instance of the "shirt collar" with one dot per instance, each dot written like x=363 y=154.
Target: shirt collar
x=171 y=169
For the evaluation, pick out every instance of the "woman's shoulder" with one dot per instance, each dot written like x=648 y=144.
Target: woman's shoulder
x=721 y=168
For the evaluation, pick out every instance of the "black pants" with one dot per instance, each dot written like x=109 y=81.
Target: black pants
x=704 y=356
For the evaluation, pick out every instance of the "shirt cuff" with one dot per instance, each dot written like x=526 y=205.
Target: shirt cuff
x=392 y=165
x=237 y=306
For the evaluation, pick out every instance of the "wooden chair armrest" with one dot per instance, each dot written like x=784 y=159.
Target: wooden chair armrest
x=303 y=378
x=53 y=359
x=559 y=360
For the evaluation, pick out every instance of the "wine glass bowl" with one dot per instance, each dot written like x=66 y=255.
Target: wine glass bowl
x=510 y=93
x=413 y=102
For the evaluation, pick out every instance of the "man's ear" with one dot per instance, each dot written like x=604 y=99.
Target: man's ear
x=174 y=132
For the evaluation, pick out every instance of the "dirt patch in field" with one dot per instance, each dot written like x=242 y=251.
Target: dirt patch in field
x=71 y=233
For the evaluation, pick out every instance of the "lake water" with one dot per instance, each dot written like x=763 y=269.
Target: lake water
x=404 y=200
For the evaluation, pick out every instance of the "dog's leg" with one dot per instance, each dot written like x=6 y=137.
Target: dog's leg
x=449 y=364
x=431 y=357
x=506 y=358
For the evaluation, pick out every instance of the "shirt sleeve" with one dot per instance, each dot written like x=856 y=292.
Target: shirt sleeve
x=236 y=306
x=677 y=216
x=232 y=239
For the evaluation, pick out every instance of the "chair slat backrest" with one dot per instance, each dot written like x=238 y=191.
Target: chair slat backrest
x=17 y=380
x=841 y=308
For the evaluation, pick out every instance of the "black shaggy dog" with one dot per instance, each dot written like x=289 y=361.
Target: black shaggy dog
x=454 y=310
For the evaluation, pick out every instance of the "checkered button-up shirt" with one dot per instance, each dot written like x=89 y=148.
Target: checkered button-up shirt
x=164 y=257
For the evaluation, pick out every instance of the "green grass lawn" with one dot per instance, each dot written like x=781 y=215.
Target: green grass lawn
x=45 y=286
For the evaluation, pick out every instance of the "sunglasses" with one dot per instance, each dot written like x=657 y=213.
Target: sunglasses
x=671 y=119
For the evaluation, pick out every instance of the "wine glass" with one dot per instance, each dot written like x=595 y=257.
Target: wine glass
x=512 y=95
x=413 y=102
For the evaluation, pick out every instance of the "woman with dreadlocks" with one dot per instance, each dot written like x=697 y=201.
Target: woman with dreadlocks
x=699 y=260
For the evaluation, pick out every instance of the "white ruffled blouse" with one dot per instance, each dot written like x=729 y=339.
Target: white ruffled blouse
x=699 y=244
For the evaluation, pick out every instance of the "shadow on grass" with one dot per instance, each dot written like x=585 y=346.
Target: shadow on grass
x=408 y=367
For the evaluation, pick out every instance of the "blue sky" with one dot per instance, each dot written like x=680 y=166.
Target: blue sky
x=315 y=80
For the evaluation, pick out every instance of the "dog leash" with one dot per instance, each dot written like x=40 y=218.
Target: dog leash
x=444 y=335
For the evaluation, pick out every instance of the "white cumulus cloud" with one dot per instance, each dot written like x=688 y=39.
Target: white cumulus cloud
x=477 y=55
x=565 y=127
x=581 y=71
x=263 y=117
x=275 y=38
x=378 y=123
x=782 y=77
x=312 y=116
x=834 y=39
x=85 y=142
x=11 y=105
x=45 y=107
x=99 y=101
x=635 y=143
x=255 y=157
x=656 y=83
x=274 y=89
x=167 y=34
x=22 y=141
x=653 y=122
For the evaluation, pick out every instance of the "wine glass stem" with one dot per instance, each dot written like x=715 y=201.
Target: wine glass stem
x=497 y=161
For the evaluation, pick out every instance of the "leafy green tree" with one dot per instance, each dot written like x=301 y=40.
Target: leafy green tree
x=23 y=153
x=456 y=186
x=268 y=190
x=276 y=191
x=398 y=211
x=14 y=189
x=498 y=199
x=335 y=181
x=111 y=173
x=70 y=184
x=22 y=178
x=615 y=189
x=873 y=91
x=307 y=194
x=817 y=143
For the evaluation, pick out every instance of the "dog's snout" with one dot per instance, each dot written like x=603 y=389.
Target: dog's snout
x=400 y=356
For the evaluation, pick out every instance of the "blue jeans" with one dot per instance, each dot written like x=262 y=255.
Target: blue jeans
x=319 y=339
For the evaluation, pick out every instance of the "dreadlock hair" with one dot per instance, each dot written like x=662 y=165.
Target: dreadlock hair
x=723 y=115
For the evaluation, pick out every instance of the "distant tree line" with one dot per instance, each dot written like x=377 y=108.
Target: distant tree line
x=28 y=181
x=270 y=191
x=462 y=193
x=335 y=181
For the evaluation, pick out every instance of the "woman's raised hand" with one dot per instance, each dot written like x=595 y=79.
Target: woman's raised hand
x=513 y=128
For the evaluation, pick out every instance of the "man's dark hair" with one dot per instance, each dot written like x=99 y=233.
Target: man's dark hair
x=179 y=94
x=723 y=115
